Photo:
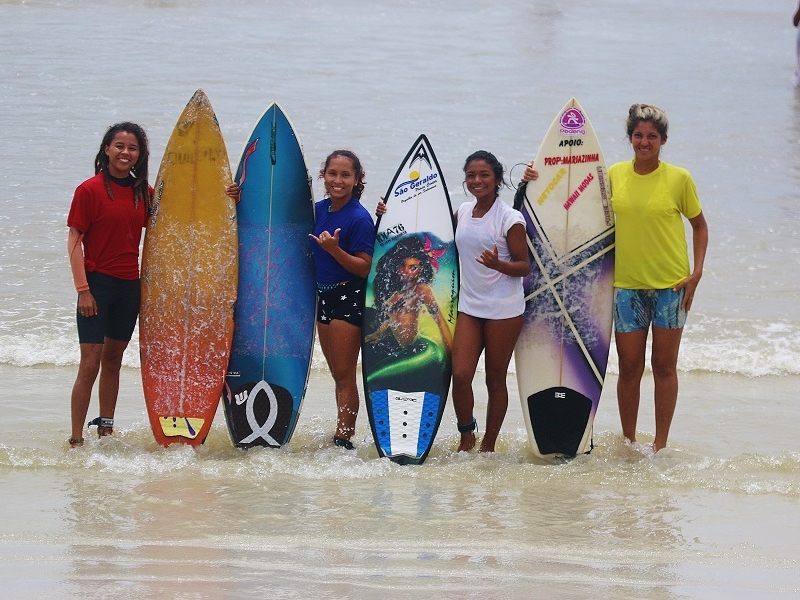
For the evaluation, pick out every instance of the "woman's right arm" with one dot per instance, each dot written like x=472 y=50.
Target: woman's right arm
x=75 y=251
x=358 y=263
x=86 y=302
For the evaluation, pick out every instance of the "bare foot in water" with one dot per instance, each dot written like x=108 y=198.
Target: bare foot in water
x=467 y=442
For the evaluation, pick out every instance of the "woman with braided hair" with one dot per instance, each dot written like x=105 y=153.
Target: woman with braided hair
x=106 y=220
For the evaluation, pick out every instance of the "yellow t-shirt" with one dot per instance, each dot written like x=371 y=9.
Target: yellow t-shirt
x=651 y=249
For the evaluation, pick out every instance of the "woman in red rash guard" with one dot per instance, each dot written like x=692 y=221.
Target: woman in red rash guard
x=106 y=219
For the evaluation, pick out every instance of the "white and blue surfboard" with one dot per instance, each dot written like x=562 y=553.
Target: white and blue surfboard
x=410 y=310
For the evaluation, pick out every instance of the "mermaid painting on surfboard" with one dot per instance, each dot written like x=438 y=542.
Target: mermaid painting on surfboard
x=402 y=290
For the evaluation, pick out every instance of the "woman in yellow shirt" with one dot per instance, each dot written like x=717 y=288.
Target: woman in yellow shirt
x=654 y=284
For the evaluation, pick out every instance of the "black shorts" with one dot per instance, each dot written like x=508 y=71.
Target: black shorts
x=117 y=309
x=341 y=301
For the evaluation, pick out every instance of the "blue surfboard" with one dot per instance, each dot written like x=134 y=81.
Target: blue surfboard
x=410 y=310
x=274 y=315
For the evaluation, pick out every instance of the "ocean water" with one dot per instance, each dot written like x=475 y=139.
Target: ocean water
x=713 y=516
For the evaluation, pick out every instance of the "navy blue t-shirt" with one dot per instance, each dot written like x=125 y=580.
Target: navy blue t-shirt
x=357 y=235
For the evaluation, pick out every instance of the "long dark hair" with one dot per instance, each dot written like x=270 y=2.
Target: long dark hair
x=358 y=188
x=141 y=188
x=387 y=274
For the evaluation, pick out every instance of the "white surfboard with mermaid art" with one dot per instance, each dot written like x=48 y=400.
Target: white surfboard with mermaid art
x=410 y=310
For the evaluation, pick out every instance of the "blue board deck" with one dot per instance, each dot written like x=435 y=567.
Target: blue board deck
x=274 y=314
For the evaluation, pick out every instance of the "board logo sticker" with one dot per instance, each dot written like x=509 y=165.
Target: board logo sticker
x=421 y=154
x=578 y=191
x=601 y=179
x=572 y=122
x=415 y=181
x=248 y=151
x=267 y=409
x=389 y=234
x=187 y=427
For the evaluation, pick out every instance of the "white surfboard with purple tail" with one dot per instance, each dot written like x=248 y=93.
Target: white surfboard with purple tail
x=562 y=352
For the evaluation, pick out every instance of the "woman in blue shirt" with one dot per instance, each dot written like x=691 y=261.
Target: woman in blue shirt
x=343 y=242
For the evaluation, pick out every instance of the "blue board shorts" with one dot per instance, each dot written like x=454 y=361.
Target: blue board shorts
x=341 y=301
x=635 y=310
x=117 y=309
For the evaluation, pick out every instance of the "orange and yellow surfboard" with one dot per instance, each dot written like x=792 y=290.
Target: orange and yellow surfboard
x=189 y=280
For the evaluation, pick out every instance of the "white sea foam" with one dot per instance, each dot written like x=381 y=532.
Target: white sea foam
x=748 y=347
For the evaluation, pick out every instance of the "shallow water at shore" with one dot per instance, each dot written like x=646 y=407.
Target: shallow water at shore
x=711 y=516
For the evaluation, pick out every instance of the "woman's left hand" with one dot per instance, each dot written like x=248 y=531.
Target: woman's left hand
x=327 y=242
x=699 y=245
x=233 y=190
x=689 y=286
x=490 y=258
x=530 y=174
